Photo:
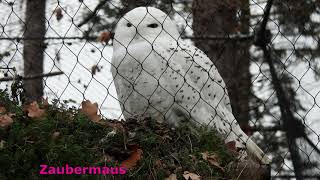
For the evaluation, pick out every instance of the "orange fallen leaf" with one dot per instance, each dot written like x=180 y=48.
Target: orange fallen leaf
x=212 y=159
x=172 y=177
x=132 y=161
x=34 y=110
x=90 y=110
x=190 y=176
x=104 y=37
x=5 y=120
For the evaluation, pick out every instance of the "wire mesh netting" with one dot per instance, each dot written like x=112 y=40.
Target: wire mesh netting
x=265 y=51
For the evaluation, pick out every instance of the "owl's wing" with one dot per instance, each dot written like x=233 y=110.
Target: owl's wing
x=199 y=69
x=197 y=87
x=201 y=93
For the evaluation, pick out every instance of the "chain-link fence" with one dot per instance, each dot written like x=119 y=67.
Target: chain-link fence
x=265 y=51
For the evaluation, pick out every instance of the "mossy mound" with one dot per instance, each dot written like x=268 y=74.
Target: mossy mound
x=66 y=136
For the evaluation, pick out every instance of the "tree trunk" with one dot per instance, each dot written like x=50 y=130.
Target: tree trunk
x=131 y=4
x=33 y=49
x=231 y=57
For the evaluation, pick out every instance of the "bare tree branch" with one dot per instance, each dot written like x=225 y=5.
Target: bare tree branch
x=238 y=37
x=267 y=129
x=93 y=13
x=292 y=127
x=312 y=144
x=48 y=38
x=290 y=176
x=32 y=77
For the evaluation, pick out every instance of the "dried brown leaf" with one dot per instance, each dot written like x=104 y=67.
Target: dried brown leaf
x=190 y=176
x=104 y=37
x=90 y=110
x=172 y=177
x=158 y=163
x=34 y=110
x=58 y=13
x=212 y=159
x=132 y=161
x=2 y=110
x=5 y=120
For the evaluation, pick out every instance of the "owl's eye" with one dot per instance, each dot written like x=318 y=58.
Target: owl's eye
x=153 y=25
x=129 y=24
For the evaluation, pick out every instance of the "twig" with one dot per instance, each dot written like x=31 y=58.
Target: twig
x=48 y=38
x=6 y=67
x=135 y=172
x=176 y=159
x=260 y=38
x=311 y=144
x=268 y=129
x=242 y=171
x=190 y=143
x=32 y=76
x=292 y=126
x=93 y=13
x=237 y=37
x=292 y=176
x=262 y=42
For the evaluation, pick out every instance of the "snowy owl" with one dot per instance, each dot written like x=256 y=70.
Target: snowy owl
x=159 y=76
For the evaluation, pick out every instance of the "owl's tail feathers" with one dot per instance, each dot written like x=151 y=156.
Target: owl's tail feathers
x=256 y=152
x=242 y=141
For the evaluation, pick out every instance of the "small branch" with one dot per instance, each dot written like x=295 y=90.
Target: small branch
x=291 y=125
x=266 y=15
x=315 y=148
x=7 y=68
x=93 y=13
x=242 y=171
x=263 y=35
x=243 y=37
x=267 y=129
x=238 y=37
x=292 y=176
x=48 y=38
x=32 y=76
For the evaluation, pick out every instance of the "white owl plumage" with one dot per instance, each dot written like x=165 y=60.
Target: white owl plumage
x=157 y=75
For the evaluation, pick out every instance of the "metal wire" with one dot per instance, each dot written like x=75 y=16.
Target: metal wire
x=71 y=51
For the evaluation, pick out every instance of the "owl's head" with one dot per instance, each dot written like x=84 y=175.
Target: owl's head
x=144 y=24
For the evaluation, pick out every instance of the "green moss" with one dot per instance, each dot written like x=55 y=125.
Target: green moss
x=65 y=136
